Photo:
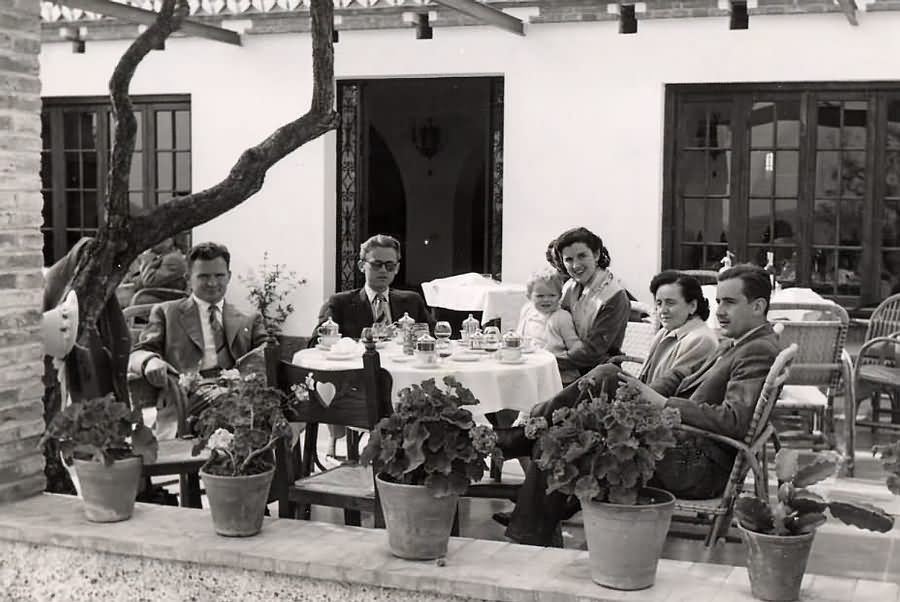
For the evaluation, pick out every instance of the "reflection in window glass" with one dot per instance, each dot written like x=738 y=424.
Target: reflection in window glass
x=854 y=132
x=788 y=124
x=853 y=174
x=164 y=138
x=762 y=167
x=828 y=174
x=851 y=222
x=785 y=223
x=787 y=173
x=825 y=222
x=828 y=132
x=848 y=272
x=762 y=125
x=759 y=222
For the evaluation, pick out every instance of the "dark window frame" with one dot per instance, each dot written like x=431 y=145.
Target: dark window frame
x=58 y=239
x=878 y=94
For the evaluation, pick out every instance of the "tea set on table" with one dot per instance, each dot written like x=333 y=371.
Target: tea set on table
x=406 y=341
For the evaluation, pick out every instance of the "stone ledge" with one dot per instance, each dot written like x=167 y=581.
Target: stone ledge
x=358 y=557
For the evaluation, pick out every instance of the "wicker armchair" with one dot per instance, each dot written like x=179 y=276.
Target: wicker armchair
x=821 y=362
x=717 y=512
x=636 y=346
x=876 y=372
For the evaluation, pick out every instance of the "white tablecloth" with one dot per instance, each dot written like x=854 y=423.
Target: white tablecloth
x=497 y=386
x=784 y=296
x=474 y=292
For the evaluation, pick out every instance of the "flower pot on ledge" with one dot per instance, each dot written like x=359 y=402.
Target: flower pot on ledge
x=625 y=541
x=108 y=492
x=418 y=524
x=237 y=503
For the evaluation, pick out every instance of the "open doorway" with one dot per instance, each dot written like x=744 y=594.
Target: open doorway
x=421 y=159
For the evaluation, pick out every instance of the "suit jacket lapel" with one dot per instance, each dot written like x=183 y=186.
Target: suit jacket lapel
x=190 y=321
x=232 y=320
x=363 y=309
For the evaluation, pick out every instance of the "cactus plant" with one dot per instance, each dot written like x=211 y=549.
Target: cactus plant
x=797 y=510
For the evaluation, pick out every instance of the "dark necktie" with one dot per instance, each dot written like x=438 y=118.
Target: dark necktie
x=223 y=355
x=379 y=309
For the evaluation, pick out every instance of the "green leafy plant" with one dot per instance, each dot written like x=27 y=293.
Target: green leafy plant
x=242 y=424
x=796 y=509
x=604 y=449
x=431 y=439
x=268 y=287
x=103 y=430
x=890 y=459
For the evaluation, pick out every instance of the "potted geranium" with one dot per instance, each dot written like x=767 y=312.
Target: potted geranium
x=604 y=451
x=107 y=443
x=240 y=428
x=779 y=532
x=890 y=459
x=426 y=454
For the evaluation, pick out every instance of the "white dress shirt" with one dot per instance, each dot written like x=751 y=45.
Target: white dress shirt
x=210 y=358
x=371 y=293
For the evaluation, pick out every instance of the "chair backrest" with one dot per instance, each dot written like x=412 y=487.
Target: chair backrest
x=885 y=320
x=136 y=318
x=704 y=276
x=820 y=343
x=358 y=397
x=777 y=376
x=157 y=295
x=636 y=345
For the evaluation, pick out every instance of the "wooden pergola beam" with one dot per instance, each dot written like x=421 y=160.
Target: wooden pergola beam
x=849 y=8
x=488 y=14
x=148 y=17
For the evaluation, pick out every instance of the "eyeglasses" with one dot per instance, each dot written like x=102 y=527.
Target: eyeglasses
x=390 y=266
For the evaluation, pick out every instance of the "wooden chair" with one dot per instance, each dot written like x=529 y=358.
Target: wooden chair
x=821 y=361
x=750 y=456
x=876 y=372
x=351 y=398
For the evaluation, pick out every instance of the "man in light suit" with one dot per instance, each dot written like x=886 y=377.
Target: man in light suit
x=379 y=260
x=199 y=333
x=720 y=397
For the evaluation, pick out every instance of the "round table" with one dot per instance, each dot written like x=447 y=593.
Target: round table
x=496 y=385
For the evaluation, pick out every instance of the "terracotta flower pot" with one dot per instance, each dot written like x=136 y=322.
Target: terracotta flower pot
x=109 y=491
x=237 y=504
x=418 y=524
x=625 y=541
x=776 y=564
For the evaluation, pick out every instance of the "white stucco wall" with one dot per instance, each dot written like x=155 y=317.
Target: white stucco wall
x=583 y=120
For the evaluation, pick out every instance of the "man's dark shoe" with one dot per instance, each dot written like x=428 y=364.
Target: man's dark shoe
x=513 y=442
x=502 y=518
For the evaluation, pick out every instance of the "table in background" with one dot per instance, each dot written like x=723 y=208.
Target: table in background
x=473 y=293
x=497 y=386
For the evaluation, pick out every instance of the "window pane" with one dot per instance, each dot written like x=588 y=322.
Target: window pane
x=71 y=130
x=848 y=276
x=786 y=266
x=762 y=166
x=164 y=129
x=164 y=176
x=829 y=126
x=139 y=137
x=692 y=172
x=825 y=222
x=854 y=133
x=787 y=173
x=183 y=130
x=828 y=174
x=892 y=173
x=851 y=222
x=693 y=220
x=136 y=201
x=853 y=174
x=47 y=209
x=759 y=222
x=785 y=221
x=788 y=124
x=89 y=169
x=182 y=173
x=717 y=220
x=893 y=124
x=823 y=270
x=73 y=170
x=48 y=247
x=163 y=197
x=890 y=273
x=890 y=225
x=136 y=177
x=719 y=165
x=762 y=125
x=695 y=125
x=89 y=207
x=73 y=209
x=88 y=129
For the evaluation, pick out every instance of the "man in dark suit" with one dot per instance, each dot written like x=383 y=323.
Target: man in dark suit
x=720 y=397
x=200 y=333
x=379 y=260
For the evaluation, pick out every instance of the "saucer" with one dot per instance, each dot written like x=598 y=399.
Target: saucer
x=465 y=357
x=420 y=366
x=322 y=347
x=401 y=358
x=331 y=355
x=527 y=350
x=521 y=360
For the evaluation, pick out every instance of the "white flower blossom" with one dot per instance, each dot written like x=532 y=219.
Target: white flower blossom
x=233 y=374
x=221 y=439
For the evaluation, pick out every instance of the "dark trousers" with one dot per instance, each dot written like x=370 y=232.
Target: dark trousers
x=688 y=471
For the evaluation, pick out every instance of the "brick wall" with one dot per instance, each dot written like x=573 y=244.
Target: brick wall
x=21 y=283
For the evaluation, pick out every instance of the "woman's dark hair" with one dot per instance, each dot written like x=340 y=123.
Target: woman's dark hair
x=552 y=259
x=690 y=289
x=583 y=235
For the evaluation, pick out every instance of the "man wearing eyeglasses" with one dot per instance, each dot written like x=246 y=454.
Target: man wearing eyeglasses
x=376 y=302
